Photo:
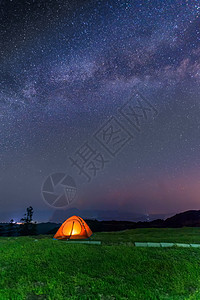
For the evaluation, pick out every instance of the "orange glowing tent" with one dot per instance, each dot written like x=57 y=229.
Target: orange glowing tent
x=73 y=228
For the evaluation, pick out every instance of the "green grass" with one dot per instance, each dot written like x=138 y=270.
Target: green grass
x=168 y=235
x=42 y=268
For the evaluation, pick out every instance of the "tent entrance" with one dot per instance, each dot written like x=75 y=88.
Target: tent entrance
x=72 y=227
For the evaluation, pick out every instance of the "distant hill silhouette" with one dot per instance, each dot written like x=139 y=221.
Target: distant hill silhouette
x=190 y=218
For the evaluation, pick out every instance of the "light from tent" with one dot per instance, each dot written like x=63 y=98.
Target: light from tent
x=72 y=228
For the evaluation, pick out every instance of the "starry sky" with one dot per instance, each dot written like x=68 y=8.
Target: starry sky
x=66 y=67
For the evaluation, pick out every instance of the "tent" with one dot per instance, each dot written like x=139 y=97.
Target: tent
x=73 y=228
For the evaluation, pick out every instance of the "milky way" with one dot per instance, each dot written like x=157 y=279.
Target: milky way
x=67 y=66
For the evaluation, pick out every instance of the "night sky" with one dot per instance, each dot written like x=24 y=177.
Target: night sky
x=66 y=68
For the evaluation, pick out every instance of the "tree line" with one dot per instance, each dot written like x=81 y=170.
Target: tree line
x=27 y=226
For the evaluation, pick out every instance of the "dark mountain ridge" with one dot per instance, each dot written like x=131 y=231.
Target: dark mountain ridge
x=190 y=218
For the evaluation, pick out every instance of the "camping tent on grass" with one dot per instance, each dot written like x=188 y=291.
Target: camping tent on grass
x=73 y=228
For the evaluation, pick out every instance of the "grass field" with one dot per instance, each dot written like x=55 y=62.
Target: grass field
x=42 y=268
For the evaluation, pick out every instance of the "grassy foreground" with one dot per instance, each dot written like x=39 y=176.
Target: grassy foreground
x=41 y=268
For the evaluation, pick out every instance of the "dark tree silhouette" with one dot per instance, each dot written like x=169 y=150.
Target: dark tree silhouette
x=1 y=230
x=28 y=217
x=11 y=228
x=28 y=227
